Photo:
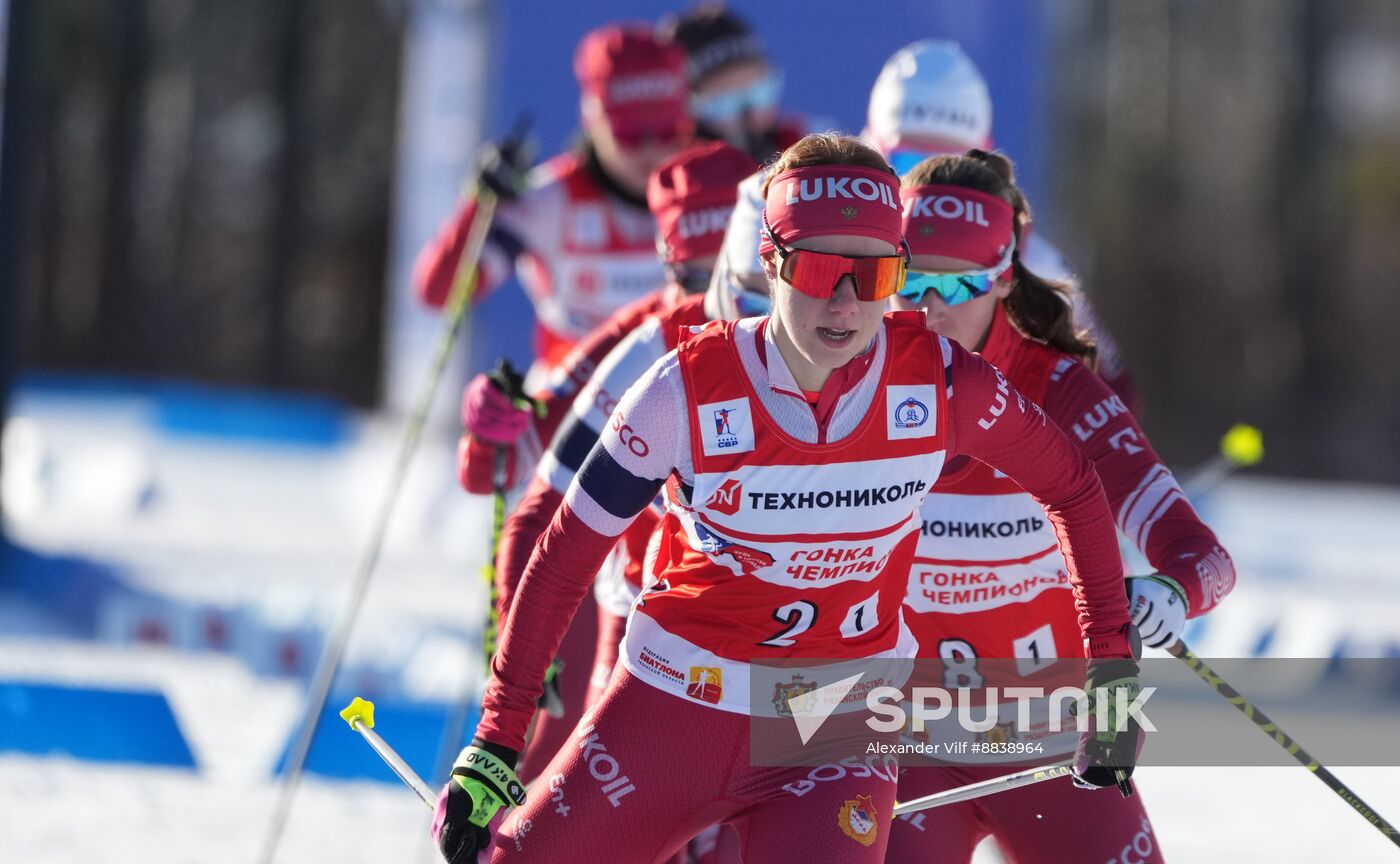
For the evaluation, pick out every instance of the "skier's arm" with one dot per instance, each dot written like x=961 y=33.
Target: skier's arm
x=1111 y=367
x=1149 y=506
x=580 y=430
x=644 y=441
x=583 y=363
x=436 y=269
x=993 y=423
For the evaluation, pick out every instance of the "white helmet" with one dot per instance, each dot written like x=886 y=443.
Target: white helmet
x=930 y=90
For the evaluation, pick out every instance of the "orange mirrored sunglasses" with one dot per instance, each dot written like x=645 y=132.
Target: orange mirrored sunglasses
x=816 y=274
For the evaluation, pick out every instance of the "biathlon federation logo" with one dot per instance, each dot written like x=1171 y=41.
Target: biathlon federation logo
x=857 y=820
x=722 y=426
x=910 y=414
x=706 y=684
x=725 y=427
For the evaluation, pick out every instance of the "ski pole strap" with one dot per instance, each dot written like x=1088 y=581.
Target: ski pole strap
x=475 y=763
x=508 y=380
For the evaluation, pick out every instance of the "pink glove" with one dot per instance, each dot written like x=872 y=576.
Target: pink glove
x=490 y=414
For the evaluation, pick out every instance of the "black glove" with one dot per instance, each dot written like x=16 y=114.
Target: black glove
x=483 y=781
x=1108 y=751
x=504 y=166
x=552 y=698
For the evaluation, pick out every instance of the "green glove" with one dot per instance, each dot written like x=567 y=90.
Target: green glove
x=1107 y=754
x=482 y=782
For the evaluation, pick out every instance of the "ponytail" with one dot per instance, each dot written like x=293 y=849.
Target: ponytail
x=1043 y=309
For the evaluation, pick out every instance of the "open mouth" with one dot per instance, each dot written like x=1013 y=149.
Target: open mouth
x=833 y=336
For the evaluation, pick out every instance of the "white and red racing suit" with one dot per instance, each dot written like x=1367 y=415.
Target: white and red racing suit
x=793 y=533
x=587 y=660
x=582 y=246
x=989 y=581
x=476 y=458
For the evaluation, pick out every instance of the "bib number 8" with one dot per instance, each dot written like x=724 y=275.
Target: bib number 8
x=959 y=664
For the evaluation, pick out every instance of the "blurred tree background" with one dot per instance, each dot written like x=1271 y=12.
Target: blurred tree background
x=207 y=193
x=1227 y=178
x=207 y=188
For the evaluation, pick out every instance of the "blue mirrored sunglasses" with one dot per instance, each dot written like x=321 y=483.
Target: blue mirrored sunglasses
x=718 y=107
x=903 y=161
x=955 y=288
x=752 y=303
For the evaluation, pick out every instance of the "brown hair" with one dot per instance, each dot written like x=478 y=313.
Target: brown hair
x=1039 y=307
x=826 y=148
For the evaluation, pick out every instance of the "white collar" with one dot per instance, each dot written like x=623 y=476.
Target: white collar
x=780 y=377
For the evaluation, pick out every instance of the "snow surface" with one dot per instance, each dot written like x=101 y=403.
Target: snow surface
x=270 y=534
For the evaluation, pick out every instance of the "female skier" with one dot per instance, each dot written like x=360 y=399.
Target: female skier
x=981 y=587
x=691 y=195
x=803 y=437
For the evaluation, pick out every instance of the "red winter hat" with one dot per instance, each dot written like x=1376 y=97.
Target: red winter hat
x=692 y=194
x=640 y=80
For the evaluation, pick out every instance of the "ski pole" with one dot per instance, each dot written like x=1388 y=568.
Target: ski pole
x=1240 y=447
x=451 y=738
x=458 y=305
x=1268 y=727
x=510 y=382
x=360 y=715
x=1004 y=783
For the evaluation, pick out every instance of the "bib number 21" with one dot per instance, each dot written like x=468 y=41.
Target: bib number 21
x=798 y=617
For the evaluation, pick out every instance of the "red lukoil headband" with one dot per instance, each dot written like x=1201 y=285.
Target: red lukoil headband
x=832 y=199
x=957 y=222
x=692 y=194
x=694 y=228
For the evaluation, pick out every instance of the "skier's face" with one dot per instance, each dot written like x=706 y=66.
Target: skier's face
x=825 y=333
x=739 y=102
x=966 y=323
x=630 y=158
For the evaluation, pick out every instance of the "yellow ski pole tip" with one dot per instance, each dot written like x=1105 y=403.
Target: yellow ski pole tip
x=360 y=709
x=1243 y=444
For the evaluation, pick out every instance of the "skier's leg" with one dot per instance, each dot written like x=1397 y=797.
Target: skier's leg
x=643 y=773
x=941 y=835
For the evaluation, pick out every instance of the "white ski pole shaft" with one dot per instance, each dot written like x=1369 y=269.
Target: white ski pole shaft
x=360 y=715
x=985 y=787
x=457 y=307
